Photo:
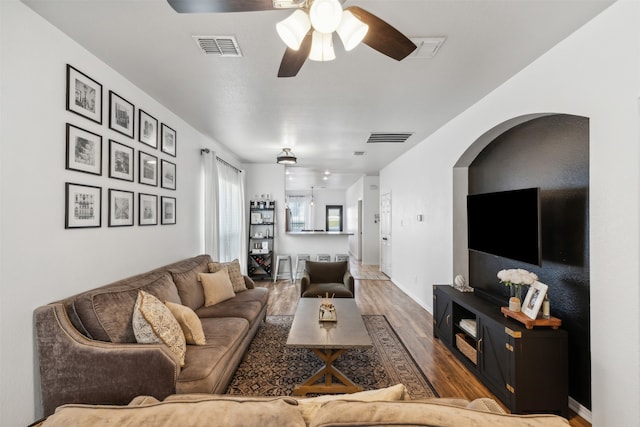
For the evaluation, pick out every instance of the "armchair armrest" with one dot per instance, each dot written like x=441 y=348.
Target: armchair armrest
x=305 y=281
x=76 y=369
x=349 y=282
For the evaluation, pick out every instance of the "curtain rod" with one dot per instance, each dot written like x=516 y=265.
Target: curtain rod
x=207 y=151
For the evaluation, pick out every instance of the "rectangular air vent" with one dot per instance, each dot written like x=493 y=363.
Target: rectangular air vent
x=218 y=45
x=427 y=46
x=358 y=153
x=389 y=138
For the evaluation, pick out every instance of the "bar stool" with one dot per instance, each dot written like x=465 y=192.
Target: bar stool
x=301 y=260
x=323 y=257
x=341 y=257
x=280 y=258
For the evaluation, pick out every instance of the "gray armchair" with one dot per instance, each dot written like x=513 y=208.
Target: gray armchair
x=321 y=278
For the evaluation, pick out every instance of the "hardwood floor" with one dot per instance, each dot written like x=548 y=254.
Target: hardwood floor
x=376 y=294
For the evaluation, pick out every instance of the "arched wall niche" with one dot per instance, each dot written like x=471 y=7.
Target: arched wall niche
x=549 y=151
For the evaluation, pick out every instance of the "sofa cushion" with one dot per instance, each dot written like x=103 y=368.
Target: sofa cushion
x=106 y=312
x=153 y=323
x=189 y=288
x=235 y=274
x=210 y=412
x=309 y=406
x=205 y=364
x=409 y=413
x=217 y=287
x=189 y=322
x=338 y=290
x=246 y=305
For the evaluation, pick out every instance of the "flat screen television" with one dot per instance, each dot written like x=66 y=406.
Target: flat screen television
x=506 y=224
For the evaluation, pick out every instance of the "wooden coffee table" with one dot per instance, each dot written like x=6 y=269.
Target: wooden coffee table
x=328 y=340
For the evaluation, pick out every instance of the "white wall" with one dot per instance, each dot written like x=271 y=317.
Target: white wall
x=594 y=73
x=40 y=261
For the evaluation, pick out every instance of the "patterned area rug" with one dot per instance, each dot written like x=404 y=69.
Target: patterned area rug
x=271 y=369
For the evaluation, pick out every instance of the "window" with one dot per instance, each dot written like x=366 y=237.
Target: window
x=334 y=217
x=299 y=213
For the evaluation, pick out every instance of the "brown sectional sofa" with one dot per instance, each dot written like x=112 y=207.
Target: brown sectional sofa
x=88 y=354
x=383 y=407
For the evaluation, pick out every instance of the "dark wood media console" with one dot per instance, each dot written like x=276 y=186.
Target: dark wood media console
x=527 y=369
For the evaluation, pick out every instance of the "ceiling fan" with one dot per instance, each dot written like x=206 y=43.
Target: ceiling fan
x=308 y=32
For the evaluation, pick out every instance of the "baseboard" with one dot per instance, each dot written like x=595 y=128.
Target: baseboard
x=579 y=409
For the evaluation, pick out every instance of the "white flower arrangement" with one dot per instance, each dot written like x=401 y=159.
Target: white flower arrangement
x=517 y=276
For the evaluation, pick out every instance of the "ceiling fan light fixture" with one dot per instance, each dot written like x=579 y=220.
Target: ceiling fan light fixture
x=351 y=30
x=322 y=47
x=293 y=29
x=325 y=15
x=286 y=157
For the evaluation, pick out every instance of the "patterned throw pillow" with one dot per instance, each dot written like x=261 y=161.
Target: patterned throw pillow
x=189 y=322
x=153 y=323
x=233 y=267
x=217 y=287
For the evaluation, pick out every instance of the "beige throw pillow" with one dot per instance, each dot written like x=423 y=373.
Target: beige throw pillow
x=217 y=287
x=153 y=323
x=189 y=322
x=235 y=275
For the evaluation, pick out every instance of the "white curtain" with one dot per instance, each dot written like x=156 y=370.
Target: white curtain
x=231 y=214
x=210 y=186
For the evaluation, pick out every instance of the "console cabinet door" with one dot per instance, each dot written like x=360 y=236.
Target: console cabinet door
x=495 y=361
x=442 y=320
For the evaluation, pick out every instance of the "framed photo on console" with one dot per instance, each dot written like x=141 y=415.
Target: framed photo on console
x=83 y=206
x=148 y=209
x=533 y=300
x=168 y=210
x=84 y=95
x=121 y=114
x=84 y=150
x=120 y=208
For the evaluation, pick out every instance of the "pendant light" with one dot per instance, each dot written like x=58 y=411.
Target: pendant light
x=286 y=157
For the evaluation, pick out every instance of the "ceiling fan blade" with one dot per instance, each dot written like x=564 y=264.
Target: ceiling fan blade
x=383 y=37
x=218 y=6
x=293 y=60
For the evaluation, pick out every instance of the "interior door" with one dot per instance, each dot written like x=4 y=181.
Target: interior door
x=385 y=233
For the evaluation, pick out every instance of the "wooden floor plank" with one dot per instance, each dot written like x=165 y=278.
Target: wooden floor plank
x=376 y=294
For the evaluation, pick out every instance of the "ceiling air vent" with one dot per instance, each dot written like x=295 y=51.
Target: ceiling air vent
x=358 y=153
x=427 y=46
x=389 y=138
x=218 y=45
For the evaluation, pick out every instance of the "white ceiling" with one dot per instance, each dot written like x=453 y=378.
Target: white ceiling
x=328 y=110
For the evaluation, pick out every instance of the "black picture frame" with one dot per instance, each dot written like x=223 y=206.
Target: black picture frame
x=121 y=115
x=167 y=210
x=147 y=129
x=84 y=150
x=147 y=169
x=83 y=206
x=121 y=209
x=121 y=161
x=169 y=138
x=168 y=175
x=147 y=209
x=84 y=95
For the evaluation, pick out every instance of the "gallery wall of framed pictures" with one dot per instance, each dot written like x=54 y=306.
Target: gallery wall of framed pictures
x=136 y=161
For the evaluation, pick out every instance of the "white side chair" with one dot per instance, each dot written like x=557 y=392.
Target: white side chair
x=279 y=259
x=342 y=257
x=301 y=260
x=323 y=257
